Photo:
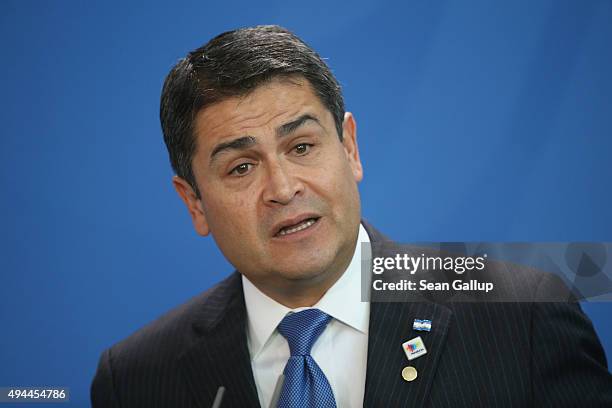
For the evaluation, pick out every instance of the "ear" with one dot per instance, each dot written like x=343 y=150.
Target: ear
x=349 y=140
x=193 y=204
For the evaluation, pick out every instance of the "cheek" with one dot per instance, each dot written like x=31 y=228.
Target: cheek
x=233 y=212
x=336 y=182
x=227 y=211
x=340 y=174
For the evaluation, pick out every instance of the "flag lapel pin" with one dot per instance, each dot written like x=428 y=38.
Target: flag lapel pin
x=421 y=325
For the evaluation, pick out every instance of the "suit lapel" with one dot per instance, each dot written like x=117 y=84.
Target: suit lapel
x=391 y=326
x=219 y=355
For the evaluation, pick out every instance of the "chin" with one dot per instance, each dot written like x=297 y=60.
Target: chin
x=314 y=270
x=304 y=274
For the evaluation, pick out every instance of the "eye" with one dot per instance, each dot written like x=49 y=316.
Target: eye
x=302 y=148
x=242 y=169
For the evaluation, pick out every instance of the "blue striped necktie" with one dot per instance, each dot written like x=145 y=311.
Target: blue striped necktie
x=305 y=384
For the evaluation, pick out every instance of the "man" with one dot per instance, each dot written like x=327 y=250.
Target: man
x=266 y=161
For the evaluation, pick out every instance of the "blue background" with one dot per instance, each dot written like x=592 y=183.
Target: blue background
x=477 y=121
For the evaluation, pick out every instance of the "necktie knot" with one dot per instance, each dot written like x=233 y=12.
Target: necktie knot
x=302 y=329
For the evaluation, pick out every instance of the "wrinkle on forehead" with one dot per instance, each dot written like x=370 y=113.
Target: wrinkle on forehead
x=237 y=120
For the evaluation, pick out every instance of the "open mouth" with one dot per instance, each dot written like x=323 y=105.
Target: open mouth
x=300 y=226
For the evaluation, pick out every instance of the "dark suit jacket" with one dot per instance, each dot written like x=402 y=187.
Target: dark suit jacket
x=479 y=355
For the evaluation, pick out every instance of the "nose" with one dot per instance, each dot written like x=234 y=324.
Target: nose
x=281 y=185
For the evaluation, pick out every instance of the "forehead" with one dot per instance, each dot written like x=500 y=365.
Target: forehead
x=270 y=104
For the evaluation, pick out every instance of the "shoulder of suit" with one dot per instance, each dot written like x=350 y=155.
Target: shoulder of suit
x=174 y=331
x=525 y=283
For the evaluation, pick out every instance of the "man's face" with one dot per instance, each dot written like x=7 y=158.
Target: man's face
x=278 y=187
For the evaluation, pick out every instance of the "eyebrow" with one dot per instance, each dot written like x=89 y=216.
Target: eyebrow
x=240 y=143
x=244 y=142
x=292 y=126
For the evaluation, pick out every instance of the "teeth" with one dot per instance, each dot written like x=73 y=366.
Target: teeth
x=303 y=225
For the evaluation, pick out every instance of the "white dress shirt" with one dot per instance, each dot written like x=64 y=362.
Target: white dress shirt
x=341 y=350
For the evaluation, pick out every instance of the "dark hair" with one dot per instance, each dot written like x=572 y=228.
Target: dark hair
x=234 y=64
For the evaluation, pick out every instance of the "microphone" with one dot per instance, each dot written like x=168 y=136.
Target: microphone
x=273 y=402
x=218 y=397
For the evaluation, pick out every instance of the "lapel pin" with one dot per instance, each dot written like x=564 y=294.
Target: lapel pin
x=414 y=348
x=421 y=325
x=409 y=373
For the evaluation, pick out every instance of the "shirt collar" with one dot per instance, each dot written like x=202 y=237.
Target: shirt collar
x=342 y=301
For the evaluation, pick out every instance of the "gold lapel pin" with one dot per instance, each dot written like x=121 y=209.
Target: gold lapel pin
x=409 y=373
